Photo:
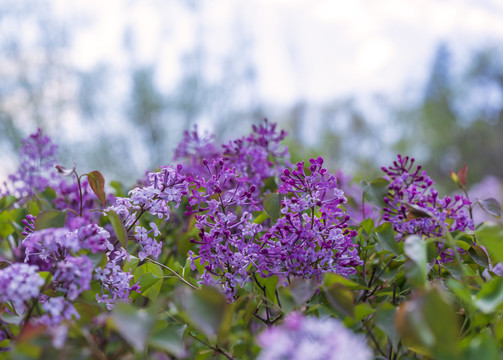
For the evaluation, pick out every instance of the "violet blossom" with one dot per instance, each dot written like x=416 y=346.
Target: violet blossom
x=310 y=338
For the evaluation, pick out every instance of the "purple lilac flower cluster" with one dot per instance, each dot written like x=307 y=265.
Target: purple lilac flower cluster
x=259 y=155
x=115 y=283
x=311 y=237
x=309 y=338
x=165 y=191
x=255 y=157
x=413 y=205
x=227 y=248
x=36 y=170
x=19 y=283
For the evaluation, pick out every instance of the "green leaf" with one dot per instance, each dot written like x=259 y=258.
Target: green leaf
x=119 y=188
x=416 y=268
x=50 y=219
x=272 y=205
x=270 y=286
x=134 y=325
x=169 y=339
x=332 y=278
x=341 y=298
x=302 y=290
x=482 y=347
x=97 y=183
x=263 y=216
x=491 y=237
x=490 y=296
x=152 y=276
x=386 y=237
x=385 y=320
x=491 y=206
x=479 y=255
x=428 y=325
x=376 y=191
x=7 y=201
x=119 y=228
x=367 y=225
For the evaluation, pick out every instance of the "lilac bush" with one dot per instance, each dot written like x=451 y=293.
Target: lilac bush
x=235 y=253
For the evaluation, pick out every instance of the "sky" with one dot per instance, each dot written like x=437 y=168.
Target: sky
x=309 y=49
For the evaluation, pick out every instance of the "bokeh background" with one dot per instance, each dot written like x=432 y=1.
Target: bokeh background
x=115 y=83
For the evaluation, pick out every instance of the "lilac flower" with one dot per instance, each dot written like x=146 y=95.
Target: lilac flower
x=255 y=157
x=94 y=238
x=19 y=283
x=166 y=189
x=412 y=199
x=73 y=275
x=36 y=170
x=149 y=247
x=193 y=148
x=312 y=237
x=114 y=282
x=310 y=338
x=259 y=155
x=222 y=205
x=48 y=246
x=57 y=309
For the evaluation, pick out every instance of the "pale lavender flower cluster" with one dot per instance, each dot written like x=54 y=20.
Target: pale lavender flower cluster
x=165 y=191
x=36 y=170
x=114 y=281
x=312 y=236
x=413 y=205
x=227 y=234
x=72 y=275
x=311 y=338
x=20 y=283
x=57 y=310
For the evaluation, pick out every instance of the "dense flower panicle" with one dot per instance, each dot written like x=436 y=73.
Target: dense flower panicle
x=115 y=283
x=73 y=275
x=19 y=283
x=36 y=170
x=48 y=246
x=94 y=238
x=413 y=205
x=310 y=338
x=312 y=236
x=166 y=187
x=222 y=205
x=259 y=155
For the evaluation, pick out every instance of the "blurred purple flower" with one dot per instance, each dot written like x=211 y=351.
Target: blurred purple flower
x=311 y=338
x=19 y=283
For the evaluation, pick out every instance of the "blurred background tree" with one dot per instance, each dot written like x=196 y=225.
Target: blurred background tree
x=123 y=120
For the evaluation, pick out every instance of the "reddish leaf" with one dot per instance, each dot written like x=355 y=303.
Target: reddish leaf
x=462 y=175
x=97 y=183
x=31 y=331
